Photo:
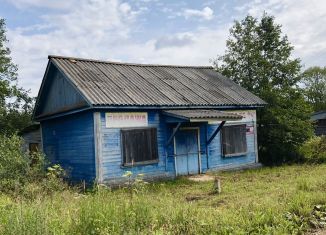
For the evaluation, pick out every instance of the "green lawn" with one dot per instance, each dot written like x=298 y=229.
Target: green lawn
x=277 y=200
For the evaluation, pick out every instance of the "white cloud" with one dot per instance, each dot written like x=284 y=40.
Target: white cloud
x=206 y=13
x=52 y=4
x=206 y=44
x=94 y=29
x=125 y=8
x=147 y=1
x=177 y=40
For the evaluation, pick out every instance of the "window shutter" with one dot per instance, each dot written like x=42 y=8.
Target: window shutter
x=139 y=145
x=234 y=141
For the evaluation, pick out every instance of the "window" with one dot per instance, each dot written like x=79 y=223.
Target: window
x=33 y=147
x=234 y=140
x=139 y=146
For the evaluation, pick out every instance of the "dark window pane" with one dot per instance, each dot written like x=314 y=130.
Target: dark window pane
x=139 y=145
x=33 y=147
x=234 y=140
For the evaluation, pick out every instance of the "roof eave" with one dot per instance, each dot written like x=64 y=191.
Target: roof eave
x=40 y=90
x=60 y=114
x=139 y=107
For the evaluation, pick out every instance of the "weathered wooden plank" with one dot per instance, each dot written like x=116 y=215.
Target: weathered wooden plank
x=59 y=95
x=69 y=141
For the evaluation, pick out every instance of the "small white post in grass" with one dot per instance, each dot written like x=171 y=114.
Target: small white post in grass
x=217 y=185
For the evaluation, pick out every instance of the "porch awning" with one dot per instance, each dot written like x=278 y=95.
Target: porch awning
x=200 y=115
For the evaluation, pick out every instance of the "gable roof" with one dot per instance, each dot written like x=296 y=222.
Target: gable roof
x=105 y=83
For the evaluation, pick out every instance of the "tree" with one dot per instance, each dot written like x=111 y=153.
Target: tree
x=258 y=57
x=314 y=79
x=15 y=103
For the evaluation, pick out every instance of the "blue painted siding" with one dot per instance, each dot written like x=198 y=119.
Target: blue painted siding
x=211 y=155
x=215 y=158
x=59 y=95
x=69 y=141
x=112 y=169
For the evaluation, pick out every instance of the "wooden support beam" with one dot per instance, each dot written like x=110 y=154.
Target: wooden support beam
x=173 y=134
x=215 y=132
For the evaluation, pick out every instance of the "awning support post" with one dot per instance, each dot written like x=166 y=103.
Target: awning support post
x=173 y=134
x=215 y=132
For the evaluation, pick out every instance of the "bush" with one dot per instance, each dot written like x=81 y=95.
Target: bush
x=13 y=163
x=25 y=174
x=314 y=150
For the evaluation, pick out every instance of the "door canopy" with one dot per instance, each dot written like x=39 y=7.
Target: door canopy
x=202 y=115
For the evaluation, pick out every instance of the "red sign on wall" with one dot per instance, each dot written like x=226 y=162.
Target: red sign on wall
x=128 y=119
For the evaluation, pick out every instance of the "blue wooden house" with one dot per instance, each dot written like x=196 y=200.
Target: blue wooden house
x=100 y=119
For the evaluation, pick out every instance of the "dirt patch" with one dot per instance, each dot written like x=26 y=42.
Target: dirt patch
x=218 y=203
x=201 y=178
x=190 y=198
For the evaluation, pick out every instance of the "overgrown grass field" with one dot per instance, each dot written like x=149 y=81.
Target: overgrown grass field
x=280 y=200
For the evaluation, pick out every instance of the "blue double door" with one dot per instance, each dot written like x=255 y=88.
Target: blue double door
x=187 y=152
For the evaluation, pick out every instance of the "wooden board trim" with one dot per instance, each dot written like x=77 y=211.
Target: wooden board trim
x=98 y=147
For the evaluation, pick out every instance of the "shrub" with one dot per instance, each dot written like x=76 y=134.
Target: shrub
x=314 y=150
x=25 y=174
x=13 y=163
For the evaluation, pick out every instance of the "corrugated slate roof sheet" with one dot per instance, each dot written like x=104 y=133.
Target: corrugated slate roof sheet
x=319 y=115
x=112 y=83
x=202 y=114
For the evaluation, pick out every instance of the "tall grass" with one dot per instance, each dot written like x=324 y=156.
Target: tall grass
x=264 y=201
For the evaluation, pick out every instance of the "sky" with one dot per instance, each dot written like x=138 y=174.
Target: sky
x=148 y=31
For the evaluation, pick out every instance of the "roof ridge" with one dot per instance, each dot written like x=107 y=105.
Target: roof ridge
x=126 y=63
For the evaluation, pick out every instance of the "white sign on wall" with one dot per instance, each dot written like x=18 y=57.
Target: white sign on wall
x=126 y=119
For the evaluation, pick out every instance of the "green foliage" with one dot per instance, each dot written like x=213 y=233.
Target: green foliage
x=258 y=57
x=25 y=175
x=134 y=184
x=55 y=171
x=314 y=150
x=314 y=79
x=13 y=164
x=8 y=71
x=279 y=200
x=15 y=103
x=283 y=126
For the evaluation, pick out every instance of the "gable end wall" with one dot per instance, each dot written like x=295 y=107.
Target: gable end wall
x=58 y=95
